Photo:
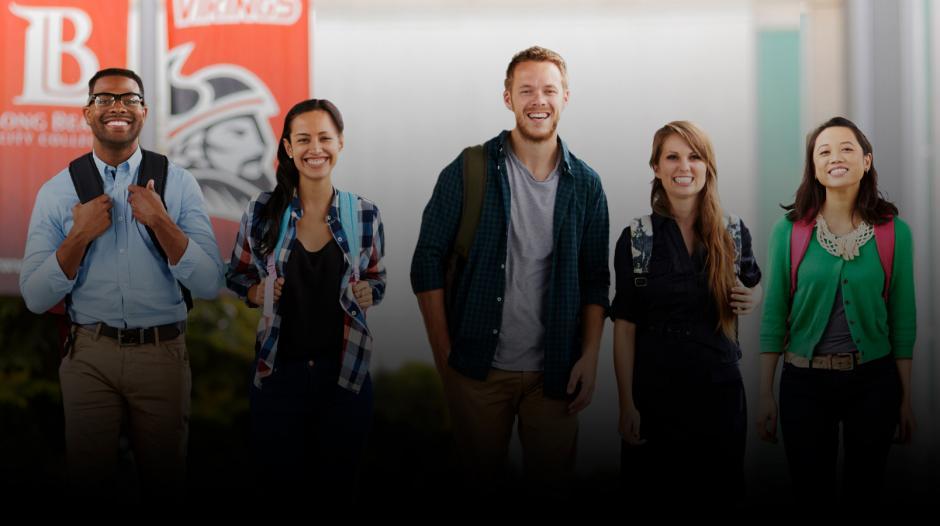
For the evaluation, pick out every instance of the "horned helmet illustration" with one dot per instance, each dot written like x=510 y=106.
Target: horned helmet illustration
x=218 y=129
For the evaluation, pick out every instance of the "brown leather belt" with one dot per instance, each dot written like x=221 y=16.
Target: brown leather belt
x=138 y=336
x=831 y=362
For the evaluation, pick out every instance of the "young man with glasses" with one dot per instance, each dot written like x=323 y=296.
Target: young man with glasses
x=123 y=262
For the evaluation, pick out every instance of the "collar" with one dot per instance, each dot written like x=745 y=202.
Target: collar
x=132 y=163
x=564 y=164
x=298 y=211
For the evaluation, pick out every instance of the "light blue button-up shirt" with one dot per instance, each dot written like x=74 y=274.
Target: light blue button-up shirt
x=123 y=281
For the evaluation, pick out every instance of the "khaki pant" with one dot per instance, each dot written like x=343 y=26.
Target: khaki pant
x=483 y=414
x=101 y=382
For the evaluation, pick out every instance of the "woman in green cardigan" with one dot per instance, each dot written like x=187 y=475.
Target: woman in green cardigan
x=845 y=325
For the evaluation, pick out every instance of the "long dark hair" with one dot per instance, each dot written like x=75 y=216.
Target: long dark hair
x=287 y=176
x=873 y=208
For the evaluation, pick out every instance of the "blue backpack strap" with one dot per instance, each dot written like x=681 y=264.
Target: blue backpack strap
x=733 y=226
x=641 y=247
x=349 y=219
x=271 y=267
x=282 y=231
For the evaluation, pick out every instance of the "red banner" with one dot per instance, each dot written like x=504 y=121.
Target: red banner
x=51 y=49
x=231 y=71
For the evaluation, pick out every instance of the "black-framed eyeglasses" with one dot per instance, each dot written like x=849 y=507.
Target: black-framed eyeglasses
x=106 y=100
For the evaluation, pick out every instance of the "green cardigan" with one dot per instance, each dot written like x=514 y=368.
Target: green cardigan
x=878 y=328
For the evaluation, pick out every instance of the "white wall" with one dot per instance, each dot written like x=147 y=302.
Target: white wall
x=416 y=86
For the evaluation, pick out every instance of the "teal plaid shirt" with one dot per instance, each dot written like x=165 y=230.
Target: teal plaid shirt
x=579 y=274
x=248 y=266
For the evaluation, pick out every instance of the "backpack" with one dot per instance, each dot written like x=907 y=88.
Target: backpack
x=641 y=245
x=88 y=185
x=474 y=189
x=87 y=182
x=803 y=231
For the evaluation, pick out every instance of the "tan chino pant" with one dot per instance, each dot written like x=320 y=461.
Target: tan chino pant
x=101 y=382
x=484 y=412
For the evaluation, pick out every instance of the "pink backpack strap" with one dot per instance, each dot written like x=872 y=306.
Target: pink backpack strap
x=799 y=242
x=884 y=239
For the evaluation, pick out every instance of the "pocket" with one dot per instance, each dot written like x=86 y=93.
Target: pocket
x=177 y=349
x=84 y=341
x=68 y=354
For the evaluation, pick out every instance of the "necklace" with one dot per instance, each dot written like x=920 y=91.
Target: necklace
x=845 y=246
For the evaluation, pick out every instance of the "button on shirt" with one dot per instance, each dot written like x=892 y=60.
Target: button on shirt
x=674 y=311
x=579 y=274
x=529 y=262
x=878 y=328
x=122 y=281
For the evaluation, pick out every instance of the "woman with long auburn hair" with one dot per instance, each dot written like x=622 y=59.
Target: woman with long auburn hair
x=684 y=275
x=840 y=309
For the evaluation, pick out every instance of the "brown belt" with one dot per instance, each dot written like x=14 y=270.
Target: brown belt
x=831 y=362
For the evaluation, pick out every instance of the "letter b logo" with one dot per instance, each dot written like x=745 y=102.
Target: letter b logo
x=45 y=46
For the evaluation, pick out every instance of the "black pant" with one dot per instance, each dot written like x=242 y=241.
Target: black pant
x=308 y=433
x=695 y=431
x=813 y=403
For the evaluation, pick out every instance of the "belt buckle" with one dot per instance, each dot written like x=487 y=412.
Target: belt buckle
x=843 y=363
x=130 y=336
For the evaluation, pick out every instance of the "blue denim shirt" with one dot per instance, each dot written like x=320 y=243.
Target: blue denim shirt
x=579 y=275
x=123 y=281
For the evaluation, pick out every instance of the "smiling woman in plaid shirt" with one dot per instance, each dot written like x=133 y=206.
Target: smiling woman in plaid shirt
x=311 y=397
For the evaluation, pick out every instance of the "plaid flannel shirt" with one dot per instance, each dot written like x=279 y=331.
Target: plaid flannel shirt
x=579 y=276
x=248 y=266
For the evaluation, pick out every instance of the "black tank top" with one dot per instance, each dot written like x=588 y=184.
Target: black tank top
x=311 y=316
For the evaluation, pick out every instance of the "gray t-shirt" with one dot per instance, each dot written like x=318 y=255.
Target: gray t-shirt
x=528 y=268
x=837 y=338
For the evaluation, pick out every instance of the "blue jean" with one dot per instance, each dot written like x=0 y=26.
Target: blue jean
x=308 y=433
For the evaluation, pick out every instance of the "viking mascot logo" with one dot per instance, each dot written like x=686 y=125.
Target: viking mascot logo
x=218 y=129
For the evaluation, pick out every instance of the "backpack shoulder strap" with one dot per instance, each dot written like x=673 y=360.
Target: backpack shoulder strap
x=884 y=240
x=156 y=166
x=85 y=178
x=799 y=242
x=88 y=185
x=733 y=226
x=641 y=247
x=349 y=219
x=474 y=188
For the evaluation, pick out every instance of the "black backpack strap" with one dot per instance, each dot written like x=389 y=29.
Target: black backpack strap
x=87 y=182
x=86 y=178
x=156 y=166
